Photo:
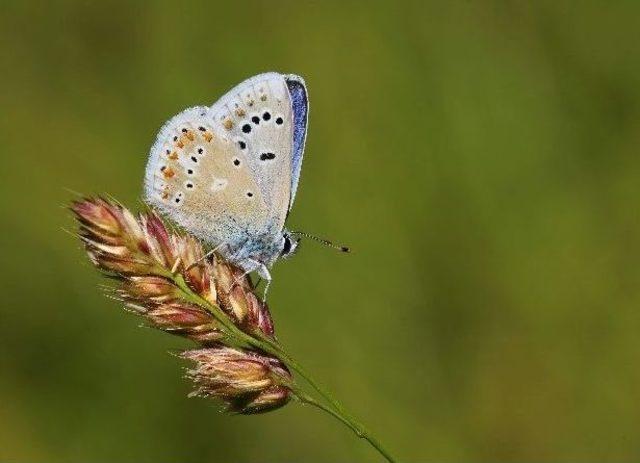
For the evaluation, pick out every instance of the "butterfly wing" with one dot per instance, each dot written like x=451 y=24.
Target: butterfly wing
x=300 y=111
x=226 y=173
x=198 y=177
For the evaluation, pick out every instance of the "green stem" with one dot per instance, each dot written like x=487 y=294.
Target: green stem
x=354 y=426
x=294 y=365
x=337 y=411
x=266 y=344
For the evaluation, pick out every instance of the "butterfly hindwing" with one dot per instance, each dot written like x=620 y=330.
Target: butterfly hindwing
x=201 y=180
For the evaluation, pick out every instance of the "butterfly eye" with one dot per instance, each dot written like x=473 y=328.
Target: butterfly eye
x=286 y=246
x=289 y=246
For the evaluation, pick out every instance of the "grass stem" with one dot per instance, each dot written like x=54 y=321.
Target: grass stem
x=264 y=343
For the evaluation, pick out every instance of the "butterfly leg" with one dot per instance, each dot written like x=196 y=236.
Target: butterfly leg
x=208 y=254
x=248 y=266
x=264 y=273
x=251 y=265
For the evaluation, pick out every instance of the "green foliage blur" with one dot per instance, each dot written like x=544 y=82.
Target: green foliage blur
x=480 y=157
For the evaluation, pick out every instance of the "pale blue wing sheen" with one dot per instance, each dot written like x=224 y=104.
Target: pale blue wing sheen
x=300 y=108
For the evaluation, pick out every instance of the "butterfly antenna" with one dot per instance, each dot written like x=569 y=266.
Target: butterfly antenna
x=321 y=241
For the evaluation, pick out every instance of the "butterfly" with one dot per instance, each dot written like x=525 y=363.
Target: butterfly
x=228 y=173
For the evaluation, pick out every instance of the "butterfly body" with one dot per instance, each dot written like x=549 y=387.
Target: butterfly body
x=228 y=173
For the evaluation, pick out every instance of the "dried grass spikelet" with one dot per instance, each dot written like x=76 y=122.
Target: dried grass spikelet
x=143 y=256
x=164 y=277
x=148 y=261
x=247 y=381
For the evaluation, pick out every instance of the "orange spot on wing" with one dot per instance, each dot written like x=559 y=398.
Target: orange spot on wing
x=168 y=172
x=228 y=124
x=240 y=112
x=173 y=156
x=207 y=136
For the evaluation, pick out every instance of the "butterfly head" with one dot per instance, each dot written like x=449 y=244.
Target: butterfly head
x=289 y=245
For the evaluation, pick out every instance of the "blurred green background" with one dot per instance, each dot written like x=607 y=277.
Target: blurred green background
x=480 y=157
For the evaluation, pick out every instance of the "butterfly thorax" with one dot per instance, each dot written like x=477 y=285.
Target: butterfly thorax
x=248 y=249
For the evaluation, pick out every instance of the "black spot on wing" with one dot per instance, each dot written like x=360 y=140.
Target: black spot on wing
x=267 y=156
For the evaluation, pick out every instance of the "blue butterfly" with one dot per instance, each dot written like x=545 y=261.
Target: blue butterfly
x=228 y=173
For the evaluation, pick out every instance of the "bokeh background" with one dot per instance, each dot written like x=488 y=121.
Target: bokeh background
x=480 y=157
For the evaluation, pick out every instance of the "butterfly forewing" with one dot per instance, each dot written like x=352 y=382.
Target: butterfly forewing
x=257 y=115
x=300 y=110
